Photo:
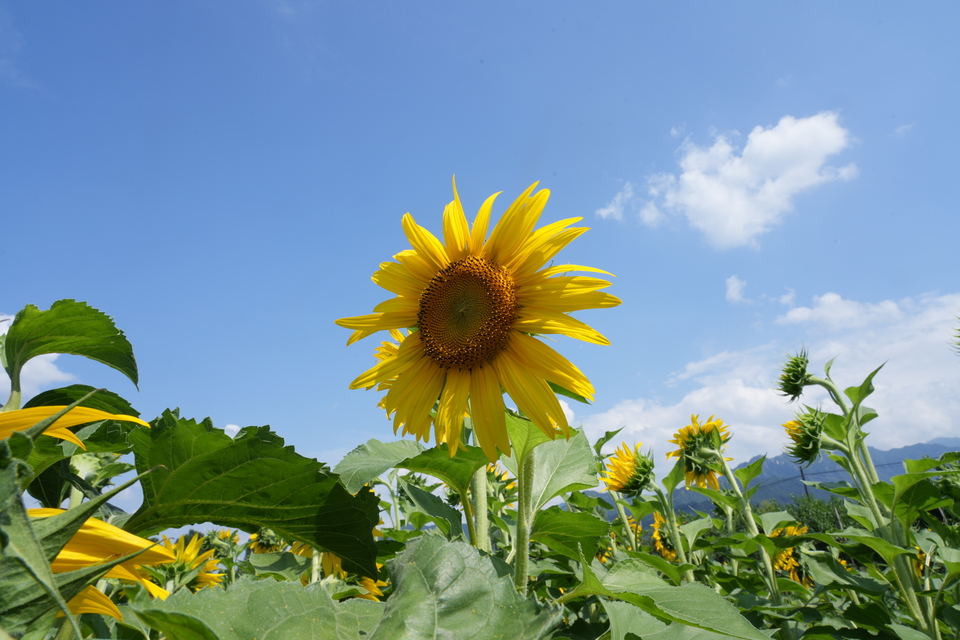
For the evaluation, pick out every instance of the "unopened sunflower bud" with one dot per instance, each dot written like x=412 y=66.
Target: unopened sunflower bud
x=805 y=430
x=628 y=472
x=794 y=377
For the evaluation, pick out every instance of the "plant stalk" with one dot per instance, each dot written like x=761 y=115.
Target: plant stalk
x=524 y=523
x=478 y=489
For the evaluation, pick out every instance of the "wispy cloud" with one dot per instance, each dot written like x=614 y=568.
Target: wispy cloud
x=615 y=207
x=11 y=44
x=902 y=130
x=734 y=196
x=735 y=287
x=915 y=392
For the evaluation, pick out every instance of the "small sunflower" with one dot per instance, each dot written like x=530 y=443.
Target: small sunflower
x=265 y=541
x=191 y=568
x=661 y=539
x=628 y=472
x=787 y=560
x=475 y=303
x=805 y=431
x=794 y=377
x=699 y=444
x=229 y=535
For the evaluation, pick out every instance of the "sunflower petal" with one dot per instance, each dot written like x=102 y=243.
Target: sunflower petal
x=410 y=350
x=92 y=600
x=478 y=234
x=516 y=224
x=456 y=231
x=532 y=394
x=452 y=408
x=489 y=419
x=425 y=243
x=540 y=320
x=397 y=278
x=544 y=362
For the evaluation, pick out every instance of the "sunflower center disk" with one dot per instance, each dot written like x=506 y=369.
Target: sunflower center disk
x=466 y=313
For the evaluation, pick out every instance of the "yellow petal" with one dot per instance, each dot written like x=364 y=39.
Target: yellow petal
x=540 y=320
x=425 y=244
x=456 y=232
x=532 y=394
x=542 y=245
x=398 y=279
x=92 y=600
x=542 y=361
x=409 y=352
x=558 y=269
x=478 y=234
x=453 y=406
x=515 y=225
x=22 y=419
x=489 y=420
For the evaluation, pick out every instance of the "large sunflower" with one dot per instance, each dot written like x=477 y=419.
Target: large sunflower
x=474 y=302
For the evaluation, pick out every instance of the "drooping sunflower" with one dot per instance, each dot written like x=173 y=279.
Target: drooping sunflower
x=627 y=471
x=97 y=542
x=265 y=541
x=474 y=302
x=697 y=446
x=661 y=539
x=787 y=559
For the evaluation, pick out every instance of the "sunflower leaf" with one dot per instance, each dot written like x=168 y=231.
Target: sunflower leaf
x=249 y=482
x=562 y=531
x=457 y=472
x=449 y=589
x=365 y=463
x=67 y=327
x=262 y=609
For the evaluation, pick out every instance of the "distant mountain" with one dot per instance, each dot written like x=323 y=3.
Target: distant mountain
x=782 y=479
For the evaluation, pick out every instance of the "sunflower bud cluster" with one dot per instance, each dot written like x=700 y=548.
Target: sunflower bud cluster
x=628 y=472
x=794 y=377
x=805 y=432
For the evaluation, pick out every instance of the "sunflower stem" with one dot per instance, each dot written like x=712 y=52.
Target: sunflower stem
x=13 y=402
x=478 y=487
x=631 y=535
x=524 y=523
x=670 y=519
x=468 y=514
x=315 y=566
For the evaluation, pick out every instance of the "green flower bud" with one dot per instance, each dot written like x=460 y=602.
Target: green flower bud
x=794 y=377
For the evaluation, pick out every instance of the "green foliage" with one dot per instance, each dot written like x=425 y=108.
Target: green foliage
x=249 y=482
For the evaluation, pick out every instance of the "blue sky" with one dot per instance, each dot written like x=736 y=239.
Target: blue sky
x=222 y=178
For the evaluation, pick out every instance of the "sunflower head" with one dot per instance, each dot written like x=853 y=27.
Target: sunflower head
x=700 y=444
x=628 y=471
x=787 y=560
x=794 y=376
x=191 y=569
x=804 y=432
x=265 y=541
x=473 y=304
x=661 y=539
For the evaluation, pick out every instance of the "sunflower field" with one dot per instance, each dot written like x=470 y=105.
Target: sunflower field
x=479 y=518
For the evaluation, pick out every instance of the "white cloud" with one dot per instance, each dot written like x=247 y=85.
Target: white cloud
x=788 y=297
x=232 y=429
x=735 y=287
x=915 y=393
x=902 y=130
x=834 y=313
x=615 y=207
x=734 y=197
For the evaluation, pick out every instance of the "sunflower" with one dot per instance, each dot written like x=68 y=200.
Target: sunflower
x=96 y=542
x=191 y=568
x=787 y=559
x=627 y=471
x=661 y=539
x=23 y=419
x=805 y=433
x=474 y=302
x=699 y=444
x=265 y=541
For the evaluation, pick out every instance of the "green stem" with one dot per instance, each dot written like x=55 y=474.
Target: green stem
x=478 y=488
x=832 y=389
x=468 y=514
x=315 y=566
x=670 y=519
x=631 y=534
x=524 y=523
x=13 y=402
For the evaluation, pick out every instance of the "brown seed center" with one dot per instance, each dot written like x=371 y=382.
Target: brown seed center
x=466 y=313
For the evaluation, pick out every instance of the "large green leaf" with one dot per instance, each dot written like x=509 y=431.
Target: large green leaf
x=249 y=482
x=262 y=609
x=561 y=465
x=627 y=622
x=524 y=437
x=692 y=604
x=456 y=472
x=562 y=531
x=103 y=400
x=67 y=327
x=449 y=590
x=365 y=463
